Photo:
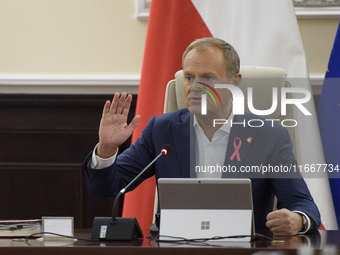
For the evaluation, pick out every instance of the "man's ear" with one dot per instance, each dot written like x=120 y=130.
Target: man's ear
x=236 y=79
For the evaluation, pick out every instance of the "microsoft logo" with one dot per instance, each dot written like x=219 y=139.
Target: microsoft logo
x=205 y=225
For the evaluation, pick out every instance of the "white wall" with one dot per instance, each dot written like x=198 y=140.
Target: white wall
x=70 y=37
x=101 y=37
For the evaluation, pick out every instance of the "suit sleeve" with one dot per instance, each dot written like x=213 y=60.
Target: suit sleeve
x=107 y=182
x=292 y=192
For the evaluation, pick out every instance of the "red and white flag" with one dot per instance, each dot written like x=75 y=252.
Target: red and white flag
x=172 y=26
x=264 y=33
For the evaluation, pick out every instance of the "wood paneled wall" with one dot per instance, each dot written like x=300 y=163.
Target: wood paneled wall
x=44 y=140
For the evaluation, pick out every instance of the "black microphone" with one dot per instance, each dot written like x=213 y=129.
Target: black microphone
x=166 y=149
x=118 y=228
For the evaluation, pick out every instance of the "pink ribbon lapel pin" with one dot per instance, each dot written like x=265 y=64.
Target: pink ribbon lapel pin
x=237 y=147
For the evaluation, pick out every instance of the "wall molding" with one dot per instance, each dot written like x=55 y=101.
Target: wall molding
x=87 y=84
x=317 y=12
x=68 y=84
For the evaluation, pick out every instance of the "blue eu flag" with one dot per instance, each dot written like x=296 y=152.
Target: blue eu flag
x=329 y=122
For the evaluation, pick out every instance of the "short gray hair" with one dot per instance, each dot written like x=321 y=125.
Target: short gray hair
x=232 y=60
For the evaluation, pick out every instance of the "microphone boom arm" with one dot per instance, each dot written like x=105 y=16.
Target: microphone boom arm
x=122 y=191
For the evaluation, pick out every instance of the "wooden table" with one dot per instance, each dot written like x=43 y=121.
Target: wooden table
x=316 y=241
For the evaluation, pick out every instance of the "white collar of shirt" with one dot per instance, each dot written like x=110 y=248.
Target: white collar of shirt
x=226 y=127
x=211 y=154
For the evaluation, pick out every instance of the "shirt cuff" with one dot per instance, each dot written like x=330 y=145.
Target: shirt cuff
x=100 y=163
x=309 y=224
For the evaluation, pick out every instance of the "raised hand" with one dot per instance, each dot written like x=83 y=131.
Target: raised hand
x=114 y=130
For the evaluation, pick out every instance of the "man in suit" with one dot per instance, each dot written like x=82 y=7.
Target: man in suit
x=238 y=145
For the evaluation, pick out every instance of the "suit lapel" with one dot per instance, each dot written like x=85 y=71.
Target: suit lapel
x=182 y=143
x=243 y=133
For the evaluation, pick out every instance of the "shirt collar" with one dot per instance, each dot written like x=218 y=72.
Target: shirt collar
x=225 y=127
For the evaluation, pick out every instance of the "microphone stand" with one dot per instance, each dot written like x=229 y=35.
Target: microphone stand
x=119 y=228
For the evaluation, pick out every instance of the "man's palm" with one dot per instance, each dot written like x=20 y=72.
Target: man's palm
x=114 y=130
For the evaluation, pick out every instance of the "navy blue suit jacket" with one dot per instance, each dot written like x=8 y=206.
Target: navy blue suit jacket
x=270 y=145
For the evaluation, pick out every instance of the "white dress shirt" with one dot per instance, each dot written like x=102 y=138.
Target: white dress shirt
x=100 y=163
x=211 y=153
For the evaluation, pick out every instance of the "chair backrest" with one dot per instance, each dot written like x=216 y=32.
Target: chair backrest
x=261 y=79
x=174 y=94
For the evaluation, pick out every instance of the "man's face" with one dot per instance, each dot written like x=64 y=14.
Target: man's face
x=203 y=67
